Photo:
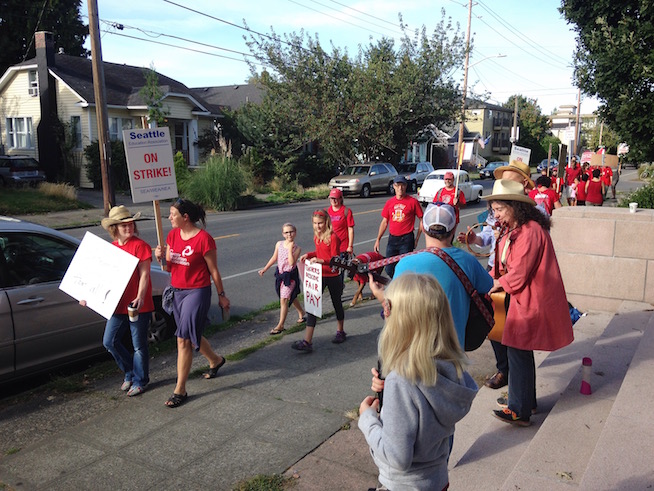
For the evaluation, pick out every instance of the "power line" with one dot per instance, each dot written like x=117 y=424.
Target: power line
x=333 y=17
x=364 y=13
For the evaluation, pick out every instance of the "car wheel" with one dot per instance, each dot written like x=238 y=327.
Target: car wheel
x=414 y=186
x=162 y=326
x=365 y=191
x=478 y=199
x=390 y=189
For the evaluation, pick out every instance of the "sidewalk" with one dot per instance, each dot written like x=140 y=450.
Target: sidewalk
x=275 y=411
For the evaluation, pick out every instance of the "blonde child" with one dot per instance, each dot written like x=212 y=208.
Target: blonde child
x=327 y=246
x=362 y=279
x=287 y=279
x=426 y=390
x=573 y=191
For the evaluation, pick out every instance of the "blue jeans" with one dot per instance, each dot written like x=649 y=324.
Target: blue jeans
x=398 y=244
x=522 y=382
x=136 y=366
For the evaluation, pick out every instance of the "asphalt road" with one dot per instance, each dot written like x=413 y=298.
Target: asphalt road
x=246 y=239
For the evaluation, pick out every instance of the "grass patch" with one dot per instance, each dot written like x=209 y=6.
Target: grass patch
x=262 y=482
x=26 y=201
x=12 y=451
x=300 y=194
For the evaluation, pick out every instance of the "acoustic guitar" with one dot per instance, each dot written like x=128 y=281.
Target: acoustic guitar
x=500 y=304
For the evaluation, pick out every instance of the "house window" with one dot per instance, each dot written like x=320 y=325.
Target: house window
x=76 y=131
x=117 y=125
x=19 y=132
x=33 y=89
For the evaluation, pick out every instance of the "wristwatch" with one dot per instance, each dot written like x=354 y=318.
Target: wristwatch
x=221 y=294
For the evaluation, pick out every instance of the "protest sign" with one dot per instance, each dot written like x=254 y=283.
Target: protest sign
x=98 y=274
x=150 y=164
x=313 y=288
x=521 y=154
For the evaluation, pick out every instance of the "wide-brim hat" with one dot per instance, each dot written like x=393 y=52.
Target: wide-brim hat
x=516 y=166
x=508 y=190
x=119 y=214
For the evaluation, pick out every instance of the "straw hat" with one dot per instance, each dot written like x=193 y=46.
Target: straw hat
x=507 y=190
x=519 y=167
x=119 y=214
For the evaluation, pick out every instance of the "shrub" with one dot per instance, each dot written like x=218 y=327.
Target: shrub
x=218 y=185
x=181 y=169
x=646 y=171
x=118 y=171
x=643 y=196
x=62 y=190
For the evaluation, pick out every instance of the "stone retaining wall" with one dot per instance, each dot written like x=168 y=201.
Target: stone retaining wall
x=606 y=255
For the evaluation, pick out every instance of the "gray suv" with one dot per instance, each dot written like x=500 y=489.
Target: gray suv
x=42 y=327
x=363 y=179
x=414 y=173
x=20 y=170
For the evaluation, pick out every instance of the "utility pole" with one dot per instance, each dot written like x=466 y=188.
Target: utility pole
x=99 y=90
x=575 y=150
x=465 y=89
x=514 y=136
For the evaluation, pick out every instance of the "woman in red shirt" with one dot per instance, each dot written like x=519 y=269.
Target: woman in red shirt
x=327 y=246
x=595 y=190
x=123 y=230
x=192 y=262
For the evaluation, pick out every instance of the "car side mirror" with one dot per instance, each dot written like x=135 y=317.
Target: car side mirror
x=373 y=173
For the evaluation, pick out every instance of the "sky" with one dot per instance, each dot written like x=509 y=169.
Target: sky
x=537 y=44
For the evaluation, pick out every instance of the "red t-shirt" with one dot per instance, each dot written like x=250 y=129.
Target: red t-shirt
x=544 y=196
x=447 y=196
x=594 y=194
x=342 y=219
x=607 y=174
x=326 y=252
x=581 y=191
x=140 y=249
x=571 y=173
x=401 y=214
x=188 y=269
x=557 y=186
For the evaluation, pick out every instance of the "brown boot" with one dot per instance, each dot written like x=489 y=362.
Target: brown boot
x=497 y=381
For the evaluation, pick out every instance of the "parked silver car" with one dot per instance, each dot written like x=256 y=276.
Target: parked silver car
x=365 y=178
x=42 y=327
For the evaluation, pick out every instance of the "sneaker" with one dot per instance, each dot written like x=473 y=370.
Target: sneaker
x=503 y=402
x=135 y=390
x=126 y=385
x=497 y=381
x=339 y=338
x=510 y=417
x=302 y=346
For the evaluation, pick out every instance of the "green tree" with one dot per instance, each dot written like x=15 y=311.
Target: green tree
x=153 y=97
x=368 y=106
x=19 y=19
x=534 y=127
x=614 y=61
x=610 y=139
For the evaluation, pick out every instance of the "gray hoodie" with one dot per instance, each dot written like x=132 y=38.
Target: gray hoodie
x=410 y=440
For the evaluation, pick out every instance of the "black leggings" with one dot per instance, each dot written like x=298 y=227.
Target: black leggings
x=335 y=286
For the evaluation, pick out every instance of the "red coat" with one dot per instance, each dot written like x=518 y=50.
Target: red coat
x=538 y=316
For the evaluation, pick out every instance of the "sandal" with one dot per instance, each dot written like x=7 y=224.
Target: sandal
x=213 y=372
x=135 y=390
x=302 y=319
x=176 y=400
x=277 y=331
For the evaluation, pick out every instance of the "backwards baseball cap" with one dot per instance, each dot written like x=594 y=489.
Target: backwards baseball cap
x=399 y=180
x=336 y=193
x=449 y=175
x=439 y=214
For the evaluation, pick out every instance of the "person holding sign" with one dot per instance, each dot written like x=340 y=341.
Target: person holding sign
x=192 y=261
x=327 y=246
x=137 y=297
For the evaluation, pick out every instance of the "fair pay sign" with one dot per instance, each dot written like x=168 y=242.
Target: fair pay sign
x=150 y=164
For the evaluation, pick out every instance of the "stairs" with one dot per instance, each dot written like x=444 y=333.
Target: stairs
x=602 y=441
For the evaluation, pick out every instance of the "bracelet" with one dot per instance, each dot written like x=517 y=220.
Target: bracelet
x=221 y=294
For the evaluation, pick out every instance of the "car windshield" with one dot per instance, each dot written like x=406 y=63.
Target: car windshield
x=436 y=176
x=407 y=168
x=356 y=170
x=24 y=163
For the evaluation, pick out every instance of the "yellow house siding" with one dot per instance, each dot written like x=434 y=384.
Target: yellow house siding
x=16 y=102
x=178 y=108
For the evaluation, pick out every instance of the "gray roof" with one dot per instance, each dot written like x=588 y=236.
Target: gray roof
x=231 y=97
x=122 y=82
